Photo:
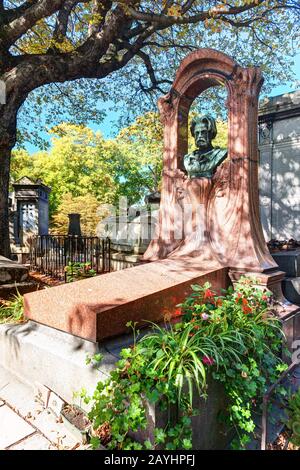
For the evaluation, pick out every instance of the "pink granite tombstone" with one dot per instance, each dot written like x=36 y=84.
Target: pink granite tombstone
x=232 y=228
x=233 y=239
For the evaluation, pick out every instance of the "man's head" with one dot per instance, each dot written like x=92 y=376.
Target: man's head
x=204 y=130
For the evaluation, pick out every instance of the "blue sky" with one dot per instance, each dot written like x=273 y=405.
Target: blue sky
x=279 y=90
x=108 y=126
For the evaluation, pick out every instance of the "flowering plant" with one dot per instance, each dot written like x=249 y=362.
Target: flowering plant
x=234 y=337
x=249 y=341
x=77 y=271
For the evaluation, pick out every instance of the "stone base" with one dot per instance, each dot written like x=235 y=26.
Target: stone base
x=99 y=307
x=120 y=261
x=51 y=358
x=37 y=353
x=9 y=290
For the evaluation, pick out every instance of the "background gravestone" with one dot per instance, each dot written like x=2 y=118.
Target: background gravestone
x=29 y=214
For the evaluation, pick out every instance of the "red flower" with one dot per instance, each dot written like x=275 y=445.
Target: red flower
x=196 y=327
x=208 y=360
x=219 y=302
x=178 y=312
x=265 y=297
x=244 y=301
x=239 y=295
x=208 y=294
x=247 y=309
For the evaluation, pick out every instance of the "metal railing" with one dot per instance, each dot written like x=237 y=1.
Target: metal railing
x=50 y=254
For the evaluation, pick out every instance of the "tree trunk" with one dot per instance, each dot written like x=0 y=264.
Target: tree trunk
x=7 y=142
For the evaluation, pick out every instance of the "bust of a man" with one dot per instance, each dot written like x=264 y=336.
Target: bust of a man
x=203 y=161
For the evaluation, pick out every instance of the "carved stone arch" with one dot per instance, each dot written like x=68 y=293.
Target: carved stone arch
x=233 y=232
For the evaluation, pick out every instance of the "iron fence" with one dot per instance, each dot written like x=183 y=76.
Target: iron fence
x=51 y=254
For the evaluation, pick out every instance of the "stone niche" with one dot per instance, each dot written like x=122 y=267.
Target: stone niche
x=231 y=228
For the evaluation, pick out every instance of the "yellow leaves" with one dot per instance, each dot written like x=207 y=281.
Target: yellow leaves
x=37 y=40
x=214 y=25
x=64 y=45
x=175 y=10
x=146 y=128
x=40 y=38
x=85 y=205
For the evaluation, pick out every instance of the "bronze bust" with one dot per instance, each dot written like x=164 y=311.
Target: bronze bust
x=203 y=161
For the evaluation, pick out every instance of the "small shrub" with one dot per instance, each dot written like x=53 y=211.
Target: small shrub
x=13 y=310
x=78 y=271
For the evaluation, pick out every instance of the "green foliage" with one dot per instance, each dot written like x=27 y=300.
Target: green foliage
x=84 y=170
x=260 y=35
x=233 y=337
x=87 y=206
x=77 y=271
x=13 y=310
x=293 y=412
x=254 y=337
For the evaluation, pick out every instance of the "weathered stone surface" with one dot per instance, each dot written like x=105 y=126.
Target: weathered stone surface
x=20 y=396
x=230 y=231
x=55 y=403
x=100 y=307
x=34 y=442
x=8 y=290
x=55 y=359
x=13 y=428
x=42 y=393
x=11 y=272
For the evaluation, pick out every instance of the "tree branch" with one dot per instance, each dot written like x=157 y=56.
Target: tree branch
x=99 y=12
x=155 y=83
x=165 y=20
x=62 y=21
x=13 y=13
x=39 y=10
x=185 y=47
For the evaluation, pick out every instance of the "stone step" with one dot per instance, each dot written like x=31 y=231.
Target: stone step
x=9 y=290
x=11 y=272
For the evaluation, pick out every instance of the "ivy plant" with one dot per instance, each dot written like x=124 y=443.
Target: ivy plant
x=234 y=337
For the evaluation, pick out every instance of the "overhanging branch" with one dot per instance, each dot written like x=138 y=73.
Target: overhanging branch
x=151 y=73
